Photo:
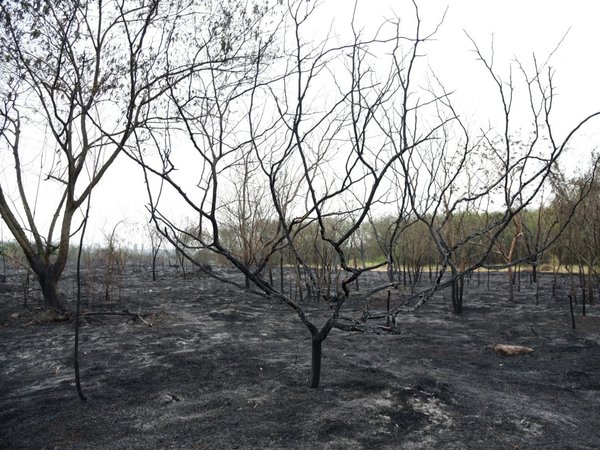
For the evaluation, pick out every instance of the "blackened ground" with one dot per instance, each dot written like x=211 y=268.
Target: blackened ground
x=220 y=368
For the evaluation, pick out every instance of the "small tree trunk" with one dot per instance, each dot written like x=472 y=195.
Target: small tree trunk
x=582 y=283
x=309 y=292
x=154 y=255
x=299 y=286
x=388 y=309
x=510 y=285
x=572 y=312
x=453 y=296
x=281 y=273
x=78 y=309
x=183 y=269
x=583 y=291
x=457 y=295
x=25 y=286
x=315 y=368
x=3 y=262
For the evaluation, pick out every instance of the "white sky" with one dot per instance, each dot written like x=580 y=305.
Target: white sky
x=519 y=27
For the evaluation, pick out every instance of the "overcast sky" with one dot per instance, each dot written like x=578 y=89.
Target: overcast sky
x=519 y=28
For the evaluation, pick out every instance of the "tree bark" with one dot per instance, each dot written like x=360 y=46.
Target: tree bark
x=315 y=369
x=509 y=275
x=457 y=296
x=389 y=294
x=572 y=311
x=49 y=284
x=154 y=256
x=390 y=271
x=281 y=279
x=457 y=293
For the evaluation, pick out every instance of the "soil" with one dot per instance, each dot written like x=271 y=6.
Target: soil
x=213 y=367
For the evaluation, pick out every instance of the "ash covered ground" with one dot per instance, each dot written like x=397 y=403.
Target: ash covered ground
x=222 y=368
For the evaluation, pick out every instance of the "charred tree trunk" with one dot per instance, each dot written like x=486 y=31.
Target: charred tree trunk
x=389 y=294
x=572 y=311
x=534 y=277
x=154 y=256
x=299 y=290
x=49 y=284
x=82 y=397
x=457 y=296
x=183 y=269
x=583 y=285
x=315 y=368
x=357 y=285
x=511 y=288
x=3 y=262
x=309 y=292
x=25 y=286
x=583 y=292
x=390 y=271
x=281 y=279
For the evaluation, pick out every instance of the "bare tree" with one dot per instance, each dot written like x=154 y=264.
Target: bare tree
x=156 y=242
x=578 y=246
x=509 y=253
x=492 y=171
x=114 y=257
x=85 y=76
x=246 y=216
x=333 y=141
x=538 y=226
x=323 y=169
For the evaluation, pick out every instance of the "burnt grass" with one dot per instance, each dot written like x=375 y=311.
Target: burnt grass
x=220 y=368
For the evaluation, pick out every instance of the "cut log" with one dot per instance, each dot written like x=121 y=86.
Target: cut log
x=511 y=350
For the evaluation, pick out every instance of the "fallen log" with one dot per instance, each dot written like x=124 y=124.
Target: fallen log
x=511 y=350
